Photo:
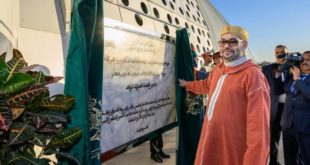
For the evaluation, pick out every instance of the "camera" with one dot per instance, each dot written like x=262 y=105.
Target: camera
x=290 y=59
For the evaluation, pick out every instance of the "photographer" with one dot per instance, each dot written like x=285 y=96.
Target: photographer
x=296 y=114
x=274 y=77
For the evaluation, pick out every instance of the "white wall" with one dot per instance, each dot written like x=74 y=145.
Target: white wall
x=5 y=45
x=9 y=19
x=117 y=10
x=45 y=48
x=39 y=29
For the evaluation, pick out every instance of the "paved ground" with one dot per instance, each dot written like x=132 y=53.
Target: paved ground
x=141 y=155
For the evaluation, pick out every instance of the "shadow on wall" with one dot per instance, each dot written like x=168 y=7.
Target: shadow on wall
x=5 y=46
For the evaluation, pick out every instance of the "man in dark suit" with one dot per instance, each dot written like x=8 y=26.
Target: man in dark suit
x=277 y=97
x=156 y=149
x=296 y=115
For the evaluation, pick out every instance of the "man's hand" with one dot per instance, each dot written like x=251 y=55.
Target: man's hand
x=296 y=72
x=182 y=82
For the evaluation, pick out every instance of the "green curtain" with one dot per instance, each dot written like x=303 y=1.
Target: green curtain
x=83 y=79
x=189 y=124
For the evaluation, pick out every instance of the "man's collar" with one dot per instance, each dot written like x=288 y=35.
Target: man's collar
x=240 y=61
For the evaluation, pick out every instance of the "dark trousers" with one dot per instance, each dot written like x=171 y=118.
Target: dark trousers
x=275 y=133
x=290 y=147
x=304 y=146
x=156 y=144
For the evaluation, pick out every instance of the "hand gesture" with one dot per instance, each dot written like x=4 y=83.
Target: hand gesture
x=182 y=82
x=296 y=72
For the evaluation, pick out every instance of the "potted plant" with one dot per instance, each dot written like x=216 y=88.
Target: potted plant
x=29 y=117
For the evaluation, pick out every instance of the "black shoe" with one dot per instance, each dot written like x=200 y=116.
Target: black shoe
x=156 y=157
x=163 y=155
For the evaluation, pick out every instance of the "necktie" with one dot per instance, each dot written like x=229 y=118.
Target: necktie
x=302 y=76
x=292 y=88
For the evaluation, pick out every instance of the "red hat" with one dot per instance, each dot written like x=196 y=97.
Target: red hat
x=206 y=54
x=216 y=55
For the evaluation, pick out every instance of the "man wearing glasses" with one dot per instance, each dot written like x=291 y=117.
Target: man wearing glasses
x=236 y=126
x=275 y=79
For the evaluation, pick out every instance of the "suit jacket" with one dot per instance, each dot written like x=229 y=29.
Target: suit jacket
x=297 y=107
x=276 y=88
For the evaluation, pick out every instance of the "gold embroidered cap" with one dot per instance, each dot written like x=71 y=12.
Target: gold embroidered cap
x=236 y=30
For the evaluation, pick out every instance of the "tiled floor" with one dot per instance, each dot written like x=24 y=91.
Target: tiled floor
x=141 y=155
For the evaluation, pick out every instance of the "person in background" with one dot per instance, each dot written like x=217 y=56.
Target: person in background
x=194 y=56
x=275 y=79
x=236 y=127
x=296 y=114
x=217 y=58
x=205 y=69
x=156 y=149
x=207 y=58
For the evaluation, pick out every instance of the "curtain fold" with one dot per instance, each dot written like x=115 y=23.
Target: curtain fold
x=83 y=78
x=189 y=125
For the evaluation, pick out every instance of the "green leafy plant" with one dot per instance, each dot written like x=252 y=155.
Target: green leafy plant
x=29 y=117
